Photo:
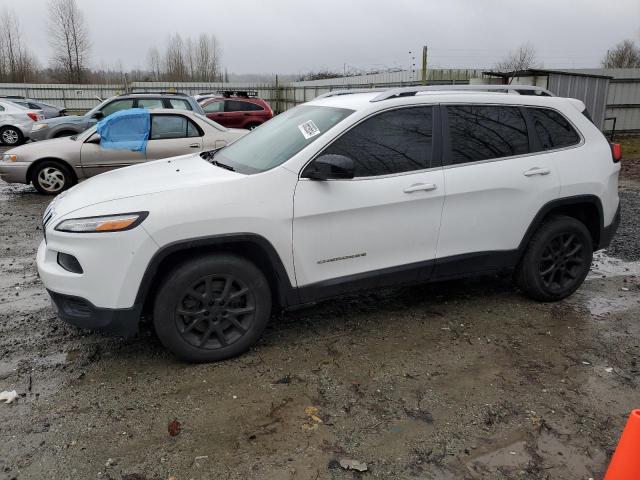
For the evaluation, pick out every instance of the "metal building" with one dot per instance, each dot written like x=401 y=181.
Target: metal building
x=590 y=88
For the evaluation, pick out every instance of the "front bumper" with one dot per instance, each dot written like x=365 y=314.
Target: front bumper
x=82 y=313
x=14 y=172
x=609 y=232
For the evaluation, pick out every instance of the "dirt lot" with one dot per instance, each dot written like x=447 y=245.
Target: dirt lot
x=461 y=380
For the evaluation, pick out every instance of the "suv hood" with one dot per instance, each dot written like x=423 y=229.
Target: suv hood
x=146 y=178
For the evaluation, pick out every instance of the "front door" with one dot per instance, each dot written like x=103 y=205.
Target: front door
x=383 y=223
x=95 y=159
x=172 y=135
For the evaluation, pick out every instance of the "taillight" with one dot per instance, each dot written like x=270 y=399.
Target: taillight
x=616 y=152
x=33 y=116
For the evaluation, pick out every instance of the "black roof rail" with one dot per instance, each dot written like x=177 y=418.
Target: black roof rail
x=181 y=94
x=15 y=97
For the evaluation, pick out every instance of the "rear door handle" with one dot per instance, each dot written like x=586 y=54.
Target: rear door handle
x=194 y=145
x=420 y=187
x=537 y=171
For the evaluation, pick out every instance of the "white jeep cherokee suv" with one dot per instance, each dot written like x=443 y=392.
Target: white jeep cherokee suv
x=352 y=190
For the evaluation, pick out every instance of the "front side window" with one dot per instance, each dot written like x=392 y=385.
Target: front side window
x=279 y=139
x=391 y=142
x=485 y=132
x=214 y=107
x=171 y=126
x=553 y=130
x=116 y=106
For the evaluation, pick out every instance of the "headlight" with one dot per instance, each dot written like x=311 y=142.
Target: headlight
x=39 y=126
x=107 y=223
x=9 y=157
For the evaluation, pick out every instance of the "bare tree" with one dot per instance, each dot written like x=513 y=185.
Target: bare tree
x=625 y=54
x=184 y=60
x=155 y=64
x=523 y=58
x=16 y=62
x=69 y=38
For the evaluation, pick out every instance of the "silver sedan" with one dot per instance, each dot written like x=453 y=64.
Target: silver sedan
x=55 y=165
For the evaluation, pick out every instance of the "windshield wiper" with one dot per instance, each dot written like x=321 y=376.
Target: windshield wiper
x=208 y=156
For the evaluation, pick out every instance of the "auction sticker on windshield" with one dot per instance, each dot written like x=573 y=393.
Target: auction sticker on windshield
x=309 y=129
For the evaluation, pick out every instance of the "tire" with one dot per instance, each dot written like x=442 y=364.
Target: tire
x=557 y=260
x=192 y=309
x=11 y=136
x=51 y=177
x=251 y=126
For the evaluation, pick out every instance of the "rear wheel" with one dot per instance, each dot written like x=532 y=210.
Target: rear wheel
x=557 y=259
x=11 y=136
x=252 y=126
x=212 y=307
x=51 y=177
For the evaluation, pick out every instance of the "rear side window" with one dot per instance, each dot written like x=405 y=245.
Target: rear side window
x=150 y=103
x=391 y=142
x=485 y=132
x=553 y=130
x=179 y=104
x=171 y=126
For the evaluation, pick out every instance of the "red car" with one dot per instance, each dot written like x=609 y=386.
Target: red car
x=235 y=109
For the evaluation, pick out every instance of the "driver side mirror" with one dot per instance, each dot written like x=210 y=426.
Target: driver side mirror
x=95 y=139
x=330 y=167
x=98 y=115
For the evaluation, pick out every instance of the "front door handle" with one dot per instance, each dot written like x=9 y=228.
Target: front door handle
x=537 y=171
x=420 y=187
x=194 y=145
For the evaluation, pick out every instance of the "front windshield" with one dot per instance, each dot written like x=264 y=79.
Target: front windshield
x=280 y=138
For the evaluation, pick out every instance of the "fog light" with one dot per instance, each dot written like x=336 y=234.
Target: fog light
x=69 y=263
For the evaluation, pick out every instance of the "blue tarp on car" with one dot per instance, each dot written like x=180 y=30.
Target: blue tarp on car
x=125 y=130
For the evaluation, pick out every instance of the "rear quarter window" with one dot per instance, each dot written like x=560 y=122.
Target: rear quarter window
x=553 y=129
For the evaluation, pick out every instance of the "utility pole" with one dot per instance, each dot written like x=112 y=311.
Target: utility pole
x=424 y=65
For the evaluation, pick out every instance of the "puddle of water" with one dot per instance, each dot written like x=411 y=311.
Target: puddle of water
x=604 y=265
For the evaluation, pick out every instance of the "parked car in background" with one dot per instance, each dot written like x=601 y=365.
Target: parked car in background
x=74 y=124
x=48 y=111
x=16 y=123
x=236 y=109
x=55 y=165
x=343 y=193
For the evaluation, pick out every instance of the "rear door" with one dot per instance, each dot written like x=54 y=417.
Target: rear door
x=497 y=180
x=172 y=135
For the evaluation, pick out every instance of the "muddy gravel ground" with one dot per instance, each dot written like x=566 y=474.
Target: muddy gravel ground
x=459 y=380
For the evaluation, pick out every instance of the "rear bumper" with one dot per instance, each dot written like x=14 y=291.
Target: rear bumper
x=82 y=313
x=609 y=232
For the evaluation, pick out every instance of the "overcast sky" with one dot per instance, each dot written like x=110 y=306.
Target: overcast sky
x=292 y=36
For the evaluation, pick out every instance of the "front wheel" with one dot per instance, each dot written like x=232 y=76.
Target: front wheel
x=212 y=307
x=557 y=260
x=51 y=177
x=11 y=136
